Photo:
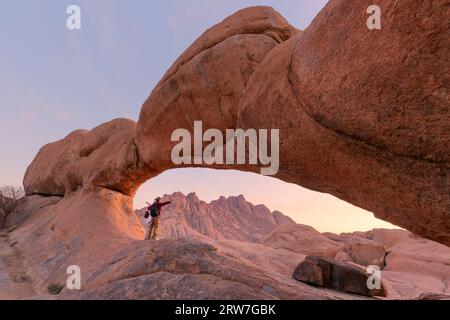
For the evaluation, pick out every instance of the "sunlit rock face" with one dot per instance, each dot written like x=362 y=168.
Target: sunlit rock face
x=363 y=115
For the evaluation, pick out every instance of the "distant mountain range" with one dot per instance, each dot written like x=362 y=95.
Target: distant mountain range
x=232 y=218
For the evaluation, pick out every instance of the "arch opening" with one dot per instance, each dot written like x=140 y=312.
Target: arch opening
x=323 y=212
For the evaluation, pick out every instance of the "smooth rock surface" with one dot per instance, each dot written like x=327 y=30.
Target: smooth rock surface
x=28 y=206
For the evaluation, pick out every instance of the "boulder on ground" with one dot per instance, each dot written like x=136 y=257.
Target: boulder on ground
x=343 y=257
x=329 y=273
x=309 y=273
x=366 y=252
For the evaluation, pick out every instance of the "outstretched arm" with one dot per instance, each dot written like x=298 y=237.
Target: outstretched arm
x=162 y=204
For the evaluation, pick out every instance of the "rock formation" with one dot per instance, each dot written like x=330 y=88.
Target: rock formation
x=363 y=115
x=329 y=273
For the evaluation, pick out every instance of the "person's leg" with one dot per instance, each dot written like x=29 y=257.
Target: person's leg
x=155 y=227
x=150 y=229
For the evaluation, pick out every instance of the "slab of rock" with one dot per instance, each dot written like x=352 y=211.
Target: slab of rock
x=301 y=239
x=329 y=273
x=433 y=297
x=366 y=252
x=27 y=207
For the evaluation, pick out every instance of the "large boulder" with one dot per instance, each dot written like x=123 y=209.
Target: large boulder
x=310 y=273
x=366 y=252
x=46 y=175
x=104 y=157
x=328 y=273
x=359 y=249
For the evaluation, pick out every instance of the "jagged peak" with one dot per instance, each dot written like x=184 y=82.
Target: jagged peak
x=193 y=196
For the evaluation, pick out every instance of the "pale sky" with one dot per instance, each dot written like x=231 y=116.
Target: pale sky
x=54 y=81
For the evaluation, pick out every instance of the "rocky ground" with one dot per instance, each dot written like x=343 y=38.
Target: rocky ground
x=411 y=265
x=14 y=282
x=116 y=266
x=196 y=257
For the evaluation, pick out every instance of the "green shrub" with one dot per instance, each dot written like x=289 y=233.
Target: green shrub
x=55 y=289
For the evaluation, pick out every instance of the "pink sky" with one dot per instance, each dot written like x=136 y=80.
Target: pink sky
x=322 y=211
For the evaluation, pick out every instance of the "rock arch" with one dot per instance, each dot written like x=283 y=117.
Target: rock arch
x=364 y=115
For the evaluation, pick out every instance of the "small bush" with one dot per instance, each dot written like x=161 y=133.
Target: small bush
x=9 y=199
x=55 y=289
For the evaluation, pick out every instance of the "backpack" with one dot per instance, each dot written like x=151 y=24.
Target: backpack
x=154 y=211
x=147 y=213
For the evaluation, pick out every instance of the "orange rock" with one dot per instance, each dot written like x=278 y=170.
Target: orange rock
x=373 y=134
x=363 y=115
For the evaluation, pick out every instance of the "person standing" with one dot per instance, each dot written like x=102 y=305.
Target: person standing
x=153 y=214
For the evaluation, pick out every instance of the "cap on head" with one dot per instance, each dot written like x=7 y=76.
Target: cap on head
x=158 y=199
